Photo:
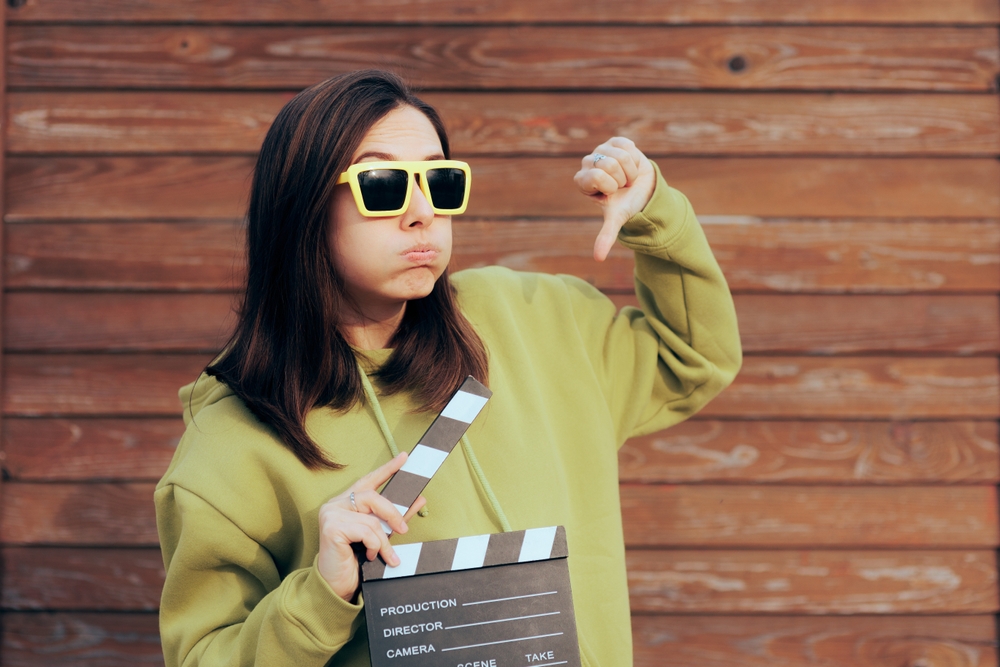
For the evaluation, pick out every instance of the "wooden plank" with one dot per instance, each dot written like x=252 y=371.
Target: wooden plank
x=82 y=579
x=172 y=255
x=767 y=387
x=62 y=321
x=698 y=450
x=512 y=11
x=813 y=582
x=44 y=188
x=865 y=387
x=871 y=641
x=805 y=516
x=510 y=57
x=682 y=581
x=89 y=449
x=126 y=385
x=676 y=516
x=668 y=124
x=708 y=450
x=756 y=255
x=81 y=639
x=64 y=639
x=143 y=322
x=91 y=514
x=853 y=324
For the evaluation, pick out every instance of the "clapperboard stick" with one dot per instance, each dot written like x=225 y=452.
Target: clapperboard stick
x=434 y=446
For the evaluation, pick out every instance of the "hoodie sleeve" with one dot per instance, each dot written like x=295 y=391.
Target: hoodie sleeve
x=224 y=601
x=661 y=363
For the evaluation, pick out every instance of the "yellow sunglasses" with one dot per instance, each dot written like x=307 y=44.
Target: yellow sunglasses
x=383 y=189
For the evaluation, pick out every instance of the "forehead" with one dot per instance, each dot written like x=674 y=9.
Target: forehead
x=403 y=134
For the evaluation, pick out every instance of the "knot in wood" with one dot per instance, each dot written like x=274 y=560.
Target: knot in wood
x=14 y=4
x=737 y=64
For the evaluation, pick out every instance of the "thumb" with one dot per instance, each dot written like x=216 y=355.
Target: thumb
x=606 y=238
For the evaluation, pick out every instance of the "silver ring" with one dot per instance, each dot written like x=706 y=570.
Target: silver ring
x=598 y=157
x=354 y=504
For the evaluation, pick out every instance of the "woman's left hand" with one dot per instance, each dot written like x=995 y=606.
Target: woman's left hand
x=621 y=180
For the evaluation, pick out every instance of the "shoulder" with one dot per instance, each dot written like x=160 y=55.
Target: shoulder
x=507 y=285
x=225 y=450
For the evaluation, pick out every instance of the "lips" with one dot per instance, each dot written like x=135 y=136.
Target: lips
x=422 y=253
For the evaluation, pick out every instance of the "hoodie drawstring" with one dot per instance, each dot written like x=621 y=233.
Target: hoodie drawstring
x=466 y=447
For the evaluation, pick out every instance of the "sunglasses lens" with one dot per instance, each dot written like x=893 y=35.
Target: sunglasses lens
x=447 y=187
x=383 y=189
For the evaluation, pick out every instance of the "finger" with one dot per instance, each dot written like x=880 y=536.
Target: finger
x=380 y=475
x=365 y=529
x=595 y=182
x=629 y=146
x=417 y=505
x=619 y=163
x=606 y=239
x=372 y=502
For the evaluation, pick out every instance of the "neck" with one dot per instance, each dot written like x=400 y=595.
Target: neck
x=373 y=330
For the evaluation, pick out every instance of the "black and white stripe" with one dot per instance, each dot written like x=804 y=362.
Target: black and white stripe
x=435 y=445
x=465 y=553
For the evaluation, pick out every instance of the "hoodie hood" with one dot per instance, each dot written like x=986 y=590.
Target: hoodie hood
x=200 y=394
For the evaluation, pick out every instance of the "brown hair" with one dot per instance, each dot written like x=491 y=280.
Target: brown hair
x=287 y=354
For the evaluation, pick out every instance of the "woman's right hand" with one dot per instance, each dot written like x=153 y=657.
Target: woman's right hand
x=341 y=527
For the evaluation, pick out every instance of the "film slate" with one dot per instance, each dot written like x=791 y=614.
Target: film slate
x=500 y=600
x=434 y=446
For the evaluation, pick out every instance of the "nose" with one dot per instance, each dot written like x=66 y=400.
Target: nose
x=419 y=212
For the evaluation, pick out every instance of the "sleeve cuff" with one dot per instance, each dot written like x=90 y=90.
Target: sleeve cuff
x=664 y=220
x=328 y=619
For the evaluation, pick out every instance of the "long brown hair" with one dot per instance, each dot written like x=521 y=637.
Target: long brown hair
x=287 y=354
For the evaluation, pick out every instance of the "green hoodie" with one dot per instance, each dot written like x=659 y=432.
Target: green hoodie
x=571 y=380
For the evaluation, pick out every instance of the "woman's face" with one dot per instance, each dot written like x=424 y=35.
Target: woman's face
x=385 y=262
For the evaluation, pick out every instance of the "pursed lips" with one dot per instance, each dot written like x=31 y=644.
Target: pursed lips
x=422 y=253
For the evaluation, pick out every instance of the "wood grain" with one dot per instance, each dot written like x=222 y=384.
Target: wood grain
x=126 y=385
x=118 y=322
x=682 y=581
x=751 y=641
x=64 y=639
x=790 y=452
x=768 y=517
x=89 y=449
x=699 y=450
x=813 y=582
x=81 y=640
x=44 y=188
x=512 y=11
x=121 y=514
x=91 y=514
x=867 y=387
x=664 y=124
x=853 y=324
x=172 y=322
x=510 y=57
x=81 y=579
x=756 y=255
x=782 y=387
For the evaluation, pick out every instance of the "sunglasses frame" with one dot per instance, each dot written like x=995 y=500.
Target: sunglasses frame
x=411 y=167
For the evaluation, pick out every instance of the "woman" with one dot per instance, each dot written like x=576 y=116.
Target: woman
x=352 y=336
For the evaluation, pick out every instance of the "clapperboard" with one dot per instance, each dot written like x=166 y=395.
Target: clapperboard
x=500 y=600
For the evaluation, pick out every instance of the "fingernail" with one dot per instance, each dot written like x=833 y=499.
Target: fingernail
x=393 y=559
x=404 y=527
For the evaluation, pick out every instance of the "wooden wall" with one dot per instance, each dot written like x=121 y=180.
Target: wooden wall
x=837 y=506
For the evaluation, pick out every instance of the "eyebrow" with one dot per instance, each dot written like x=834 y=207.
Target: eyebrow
x=388 y=157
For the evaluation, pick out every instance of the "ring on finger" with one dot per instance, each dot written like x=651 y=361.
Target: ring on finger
x=597 y=158
x=354 y=505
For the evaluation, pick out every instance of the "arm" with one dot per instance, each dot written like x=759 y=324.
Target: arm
x=665 y=362
x=226 y=602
